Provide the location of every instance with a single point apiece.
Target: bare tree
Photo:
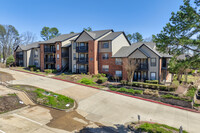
(131, 66)
(27, 38)
(9, 39)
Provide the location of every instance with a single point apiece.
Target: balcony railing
(143, 66)
(64, 55)
(82, 70)
(49, 50)
(19, 56)
(49, 60)
(82, 60)
(82, 49)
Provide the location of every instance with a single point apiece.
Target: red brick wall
(58, 61)
(42, 57)
(93, 56)
(111, 62)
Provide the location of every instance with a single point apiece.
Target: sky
(144, 16)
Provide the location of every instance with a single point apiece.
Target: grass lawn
(44, 97)
(157, 128)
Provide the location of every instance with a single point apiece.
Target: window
(36, 63)
(105, 56)
(118, 61)
(74, 56)
(105, 45)
(82, 67)
(74, 45)
(118, 73)
(58, 46)
(74, 67)
(105, 68)
(153, 76)
(57, 56)
(153, 61)
(82, 56)
(164, 62)
(58, 67)
(36, 53)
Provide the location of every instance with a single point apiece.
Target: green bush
(38, 70)
(127, 90)
(62, 74)
(31, 66)
(193, 71)
(54, 71)
(86, 81)
(124, 82)
(32, 69)
(103, 75)
(48, 71)
(152, 81)
(169, 96)
(102, 80)
(10, 60)
(191, 91)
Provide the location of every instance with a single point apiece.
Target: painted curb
(149, 100)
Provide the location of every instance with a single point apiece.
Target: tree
(27, 38)
(137, 37)
(48, 33)
(130, 67)
(87, 29)
(130, 37)
(10, 60)
(178, 35)
(71, 32)
(9, 39)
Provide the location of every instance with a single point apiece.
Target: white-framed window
(82, 56)
(118, 61)
(105, 68)
(74, 56)
(153, 76)
(118, 73)
(105, 56)
(57, 56)
(105, 45)
(58, 66)
(74, 45)
(58, 46)
(153, 61)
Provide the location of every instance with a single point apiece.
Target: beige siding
(152, 55)
(119, 42)
(137, 54)
(25, 58)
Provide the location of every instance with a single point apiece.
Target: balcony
(83, 49)
(49, 50)
(49, 60)
(143, 66)
(19, 64)
(82, 60)
(65, 55)
(19, 56)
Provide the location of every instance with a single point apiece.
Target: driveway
(109, 108)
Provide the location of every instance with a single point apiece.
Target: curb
(149, 100)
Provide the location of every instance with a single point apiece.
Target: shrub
(31, 66)
(32, 69)
(169, 96)
(86, 81)
(127, 90)
(193, 71)
(103, 75)
(54, 71)
(191, 91)
(98, 75)
(48, 71)
(151, 92)
(88, 73)
(10, 60)
(62, 74)
(38, 70)
(123, 82)
(152, 81)
(102, 80)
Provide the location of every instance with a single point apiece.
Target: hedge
(153, 86)
(152, 81)
(102, 80)
(127, 90)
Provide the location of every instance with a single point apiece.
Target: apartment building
(103, 51)
(28, 55)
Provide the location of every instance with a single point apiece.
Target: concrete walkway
(109, 108)
(24, 98)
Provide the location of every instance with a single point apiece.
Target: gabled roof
(29, 46)
(60, 38)
(111, 36)
(95, 34)
(126, 51)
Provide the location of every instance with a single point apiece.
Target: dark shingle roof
(126, 51)
(60, 38)
(111, 36)
(97, 34)
(30, 46)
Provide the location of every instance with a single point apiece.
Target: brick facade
(58, 52)
(42, 57)
(93, 56)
